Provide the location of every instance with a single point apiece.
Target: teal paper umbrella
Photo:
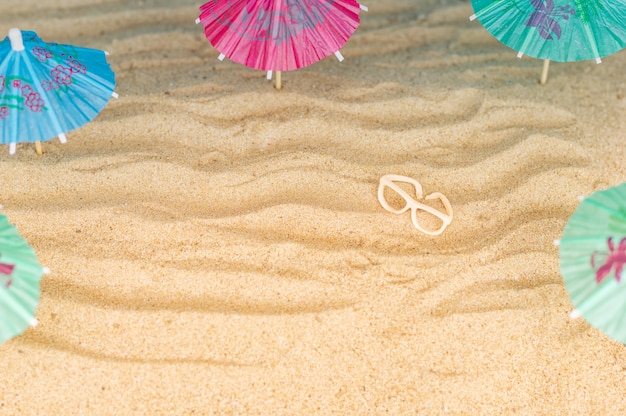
(557, 30)
(592, 254)
(20, 274)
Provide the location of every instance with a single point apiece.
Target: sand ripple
(216, 244)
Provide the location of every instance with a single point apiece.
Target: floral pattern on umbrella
(614, 259)
(20, 275)
(278, 25)
(592, 255)
(545, 18)
(48, 89)
(5, 274)
(557, 30)
(278, 35)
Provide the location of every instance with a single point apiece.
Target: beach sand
(217, 246)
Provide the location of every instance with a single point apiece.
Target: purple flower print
(62, 75)
(544, 18)
(4, 112)
(298, 16)
(41, 53)
(2, 82)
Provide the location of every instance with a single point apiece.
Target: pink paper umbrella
(279, 35)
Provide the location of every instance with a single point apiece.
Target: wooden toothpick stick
(278, 80)
(544, 72)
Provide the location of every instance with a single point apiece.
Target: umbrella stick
(38, 148)
(544, 72)
(279, 84)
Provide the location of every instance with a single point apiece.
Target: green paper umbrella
(20, 274)
(592, 254)
(557, 30)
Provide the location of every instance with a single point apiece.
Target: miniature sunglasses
(412, 204)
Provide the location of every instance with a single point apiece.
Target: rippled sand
(217, 247)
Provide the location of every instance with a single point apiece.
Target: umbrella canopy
(279, 35)
(49, 89)
(20, 274)
(592, 254)
(557, 30)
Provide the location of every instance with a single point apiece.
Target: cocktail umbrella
(20, 274)
(592, 254)
(279, 35)
(557, 30)
(49, 89)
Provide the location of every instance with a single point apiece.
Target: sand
(217, 247)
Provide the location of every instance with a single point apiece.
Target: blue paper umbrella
(20, 274)
(49, 89)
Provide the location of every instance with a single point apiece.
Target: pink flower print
(76, 66)
(33, 99)
(27, 90)
(4, 112)
(62, 75)
(42, 53)
(6, 268)
(49, 85)
(614, 259)
(34, 102)
(2, 82)
(17, 83)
